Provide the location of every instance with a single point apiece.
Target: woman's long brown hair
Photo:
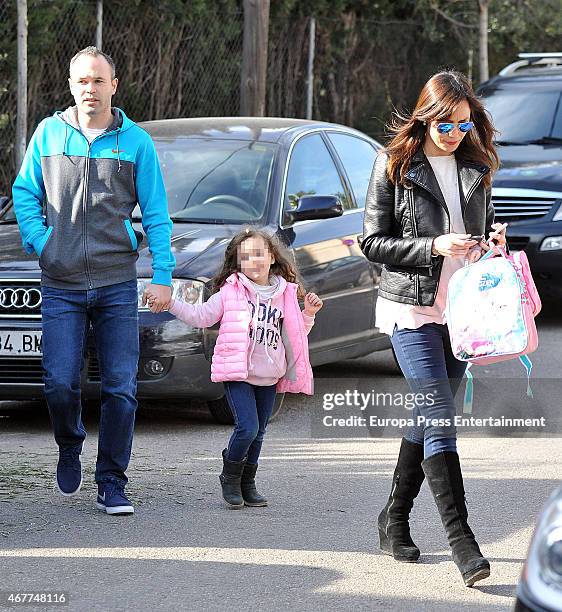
(438, 100)
(283, 265)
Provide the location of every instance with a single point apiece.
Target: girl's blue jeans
(251, 406)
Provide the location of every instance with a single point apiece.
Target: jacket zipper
(415, 232)
(84, 216)
(437, 283)
(85, 200)
(392, 498)
(417, 276)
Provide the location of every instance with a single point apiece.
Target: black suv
(525, 101)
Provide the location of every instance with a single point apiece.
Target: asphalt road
(313, 548)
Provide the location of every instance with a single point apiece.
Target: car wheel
(220, 410)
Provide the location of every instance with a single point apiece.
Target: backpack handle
(491, 253)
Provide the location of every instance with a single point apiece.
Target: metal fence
(169, 63)
(178, 58)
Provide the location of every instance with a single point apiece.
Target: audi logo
(20, 298)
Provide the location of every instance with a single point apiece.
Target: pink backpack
(491, 310)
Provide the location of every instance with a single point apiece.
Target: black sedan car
(525, 101)
(304, 180)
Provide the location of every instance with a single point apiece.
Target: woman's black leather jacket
(401, 222)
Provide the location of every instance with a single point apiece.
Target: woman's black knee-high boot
(394, 529)
(444, 476)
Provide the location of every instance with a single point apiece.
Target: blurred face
(91, 85)
(255, 258)
(437, 143)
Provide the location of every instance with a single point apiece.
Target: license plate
(20, 343)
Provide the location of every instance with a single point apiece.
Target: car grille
(20, 299)
(521, 208)
(517, 243)
(21, 370)
(30, 370)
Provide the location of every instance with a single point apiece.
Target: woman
(428, 208)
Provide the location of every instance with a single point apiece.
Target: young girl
(262, 347)
(428, 206)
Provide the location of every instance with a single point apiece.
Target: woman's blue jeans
(427, 361)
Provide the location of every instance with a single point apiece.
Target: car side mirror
(316, 207)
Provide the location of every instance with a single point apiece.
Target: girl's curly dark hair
(283, 266)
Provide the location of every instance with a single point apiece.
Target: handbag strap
(469, 389)
(491, 253)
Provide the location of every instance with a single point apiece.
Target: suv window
(358, 157)
(312, 171)
(522, 116)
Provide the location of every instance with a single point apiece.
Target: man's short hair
(95, 52)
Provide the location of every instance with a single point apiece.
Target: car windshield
(215, 180)
(525, 116)
(211, 181)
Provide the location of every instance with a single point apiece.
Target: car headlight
(190, 291)
(550, 554)
(552, 243)
(542, 574)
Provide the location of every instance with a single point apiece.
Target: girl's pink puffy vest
(230, 357)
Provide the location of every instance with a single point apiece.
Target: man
(92, 165)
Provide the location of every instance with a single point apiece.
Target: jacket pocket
(62, 254)
(47, 238)
(398, 282)
(409, 272)
(131, 233)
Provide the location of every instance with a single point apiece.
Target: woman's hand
(312, 304)
(498, 236)
(475, 254)
(452, 245)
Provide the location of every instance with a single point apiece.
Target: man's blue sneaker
(69, 470)
(112, 499)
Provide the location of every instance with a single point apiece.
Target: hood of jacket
(120, 120)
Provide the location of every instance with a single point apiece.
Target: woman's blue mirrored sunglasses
(445, 128)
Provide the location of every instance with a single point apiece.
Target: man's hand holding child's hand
(158, 298)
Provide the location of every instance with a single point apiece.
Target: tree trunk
(254, 58)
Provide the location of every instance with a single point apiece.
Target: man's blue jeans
(66, 317)
(251, 406)
(427, 361)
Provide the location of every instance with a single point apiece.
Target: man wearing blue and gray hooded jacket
(89, 166)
